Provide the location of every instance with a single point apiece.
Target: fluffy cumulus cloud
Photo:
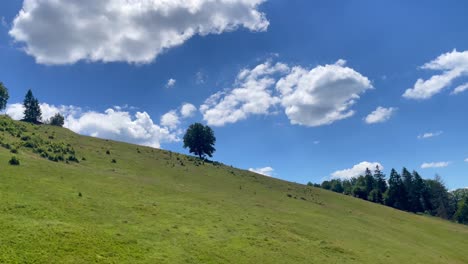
(441, 164)
(380, 115)
(430, 135)
(267, 171)
(453, 66)
(115, 124)
(315, 97)
(252, 96)
(322, 95)
(466, 160)
(356, 170)
(170, 120)
(135, 31)
(187, 110)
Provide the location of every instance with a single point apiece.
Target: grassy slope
(148, 208)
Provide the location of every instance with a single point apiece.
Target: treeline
(407, 191)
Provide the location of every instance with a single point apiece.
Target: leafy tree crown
(200, 140)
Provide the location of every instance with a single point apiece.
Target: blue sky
(289, 87)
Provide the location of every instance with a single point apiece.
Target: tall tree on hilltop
(396, 193)
(200, 140)
(439, 197)
(4, 96)
(380, 184)
(369, 181)
(417, 191)
(32, 110)
(407, 179)
(379, 178)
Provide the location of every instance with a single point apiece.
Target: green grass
(153, 206)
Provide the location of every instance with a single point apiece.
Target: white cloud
(380, 115)
(187, 110)
(15, 111)
(466, 160)
(356, 170)
(441, 164)
(267, 171)
(135, 31)
(430, 134)
(322, 95)
(460, 89)
(112, 124)
(170, 83)
(170, 120)
(251, 96)
(452, 64)
(317, 97)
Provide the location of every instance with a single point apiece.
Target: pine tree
(417, 201)
(396, 193)
(32, 110)
(369, 179)
(380, 184)
(407, 178)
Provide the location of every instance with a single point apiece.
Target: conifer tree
(396, 194)
(369, 179)
(407, 178)
(32, 110)
(380, 184)
(417, 201)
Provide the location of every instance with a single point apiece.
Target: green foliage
(4, 96)
(57, 120)
(396, 195)
(337, 186)
(14, 161)
(461, 216)
(200, 140)
(326, 185)
(439, 199)
(380, 182)
(360, 188)
(32, 110)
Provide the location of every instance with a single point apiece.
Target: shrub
(114, 161)
(73, 158)
(108, 152)
(57, 120)
(14, 161)
(14, 151)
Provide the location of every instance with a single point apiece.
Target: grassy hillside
(153, 206)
